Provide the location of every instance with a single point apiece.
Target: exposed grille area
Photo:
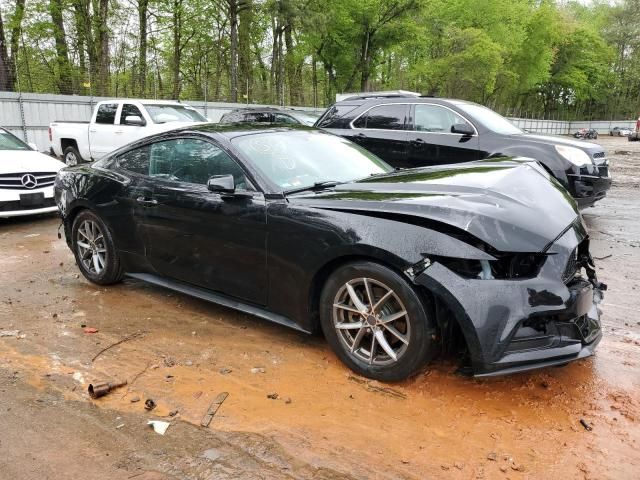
(598, 155)
(27, 180)
(572, 266)
(16, 205)
(603, 170)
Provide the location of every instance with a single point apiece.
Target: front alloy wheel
(371, 321)
(376, 322)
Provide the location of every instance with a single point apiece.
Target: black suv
(269, 115)
(411, 131)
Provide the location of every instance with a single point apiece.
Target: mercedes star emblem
(29, 181)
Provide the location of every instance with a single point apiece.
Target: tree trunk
(245, 71)
(233, 20)
(5, 63)
(177, 48)
(9, 53)
(366, 62)
(143, 7)
(101, 22)
(64, 80)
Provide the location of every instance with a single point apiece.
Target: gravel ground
(294, 411)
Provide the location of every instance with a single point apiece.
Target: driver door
(204, 238)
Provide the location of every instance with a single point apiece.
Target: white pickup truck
(115, 123)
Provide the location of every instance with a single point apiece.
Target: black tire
(71, 156)
(111, 271)
(415, 327)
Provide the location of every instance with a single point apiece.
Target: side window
(129, 110)
(284, 119)
(136, 161)
(107, 113)
(386, 117)
(193, 161)
(433, 118)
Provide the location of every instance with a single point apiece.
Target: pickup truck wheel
(71, 156)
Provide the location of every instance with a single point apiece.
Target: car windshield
(299, 159)
(174, 113)
(490, 119)
(11, 142)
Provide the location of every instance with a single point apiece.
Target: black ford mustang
(309, 230)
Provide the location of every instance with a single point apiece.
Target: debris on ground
(602, 258)
(149, 404)
(101, 389)
(9, 333)
(258, 370)
(586, 426)
(173, 413)
(134, 399)
(493, 456)
(125, 339)
(118, 427)
(272, 396)
(90, 330)
(159, 426)
(78, 377)
(213, 408)
(372, 386)
(211, 454)
(459, 465)
(288, 400)
(169, 362)
(225, 370)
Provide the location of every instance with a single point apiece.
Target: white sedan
(26, 178)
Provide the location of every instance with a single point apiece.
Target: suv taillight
(50, 137)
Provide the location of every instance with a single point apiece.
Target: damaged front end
(521, 311)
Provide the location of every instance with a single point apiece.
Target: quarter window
(385, 117)
(107, 113)
(433, 118)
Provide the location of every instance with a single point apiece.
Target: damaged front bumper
(523, 324)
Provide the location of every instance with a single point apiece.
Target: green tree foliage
(547, 57)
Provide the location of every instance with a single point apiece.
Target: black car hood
(509, 204)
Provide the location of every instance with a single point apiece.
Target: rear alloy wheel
(94, 249)
(375, 322)
(71, 156)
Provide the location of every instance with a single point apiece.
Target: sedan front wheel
(376, 322)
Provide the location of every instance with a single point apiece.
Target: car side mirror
(463, 128)
(224, 184)
(134, 120)
(33, 146)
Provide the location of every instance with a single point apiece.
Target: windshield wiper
(315, 187)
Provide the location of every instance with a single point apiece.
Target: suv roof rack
(385, 94)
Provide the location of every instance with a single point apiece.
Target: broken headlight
(508, 266)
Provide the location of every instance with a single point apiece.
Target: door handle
(418, 141)
(360, 136)
(93, 130)
(146, 201)
(119, 131)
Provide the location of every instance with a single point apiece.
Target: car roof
(232, 130)
(404, 99)
(268, 109)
